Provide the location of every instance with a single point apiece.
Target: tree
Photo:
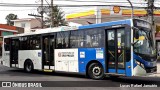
(10, 17)
(58, 17)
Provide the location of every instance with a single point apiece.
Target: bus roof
(66, 28)
(126, 21)
(43, 31)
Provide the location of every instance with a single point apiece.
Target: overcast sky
(23, 12)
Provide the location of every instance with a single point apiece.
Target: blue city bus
(116, 48)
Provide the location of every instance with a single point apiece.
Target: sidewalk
(158, 67)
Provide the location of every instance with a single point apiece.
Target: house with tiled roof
(28, 23)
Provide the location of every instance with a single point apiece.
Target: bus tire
(28, 66)
(96, 71)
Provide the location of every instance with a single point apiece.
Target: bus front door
(48, 45)
(116, 51)
(14, 52)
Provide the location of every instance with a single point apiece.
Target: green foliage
(58, 17)
(10, 17)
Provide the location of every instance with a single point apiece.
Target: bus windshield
(144, 44)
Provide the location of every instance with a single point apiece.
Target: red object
(5, 26)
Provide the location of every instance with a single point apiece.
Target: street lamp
(132, 8)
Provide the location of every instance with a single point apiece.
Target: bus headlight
(139, 63)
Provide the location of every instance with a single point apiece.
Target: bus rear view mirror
(136, 33)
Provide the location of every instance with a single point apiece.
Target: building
(28, 23)
(111, 13)
(108, 13)
(8, 30)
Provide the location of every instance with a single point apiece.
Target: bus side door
(48, 46)
(14, 52)
(116, 51)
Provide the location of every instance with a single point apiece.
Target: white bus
(122, 47)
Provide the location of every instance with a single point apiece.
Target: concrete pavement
(158, 68)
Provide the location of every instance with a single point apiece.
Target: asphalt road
(63, 81)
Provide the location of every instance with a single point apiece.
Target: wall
(35, 23)
(5, 33)
(20, 30)
(27, 25)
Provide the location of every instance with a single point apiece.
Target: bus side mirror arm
(134, 43)
(136, 34)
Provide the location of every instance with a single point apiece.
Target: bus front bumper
(139, 71)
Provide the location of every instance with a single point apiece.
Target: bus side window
(31, 44)
(24, 43)
(62, 40)
(34, 42)
(73, 39)
(59, 45)
(7, 44)
(94, 38)
(77, 39)
(80, 38)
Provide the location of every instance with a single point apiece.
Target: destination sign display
(141, 23)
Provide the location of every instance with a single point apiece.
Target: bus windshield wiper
(135, 43)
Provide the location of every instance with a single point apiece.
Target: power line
(103, 17)
(47, 2)
(65, 13)
(60, 5)
(19, 10)
(11, 4)
(7, 4)
(98, 1)
(55, 12)
(37, 5)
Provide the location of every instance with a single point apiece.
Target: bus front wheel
(28, 66)
(96, 71)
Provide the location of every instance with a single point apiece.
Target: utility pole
(150, 10)
(42, 23)
(98, 15)
(132, 13)
(41, 11)
(52, 21)
(150, 16)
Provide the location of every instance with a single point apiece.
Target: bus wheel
(96, 71)
(28, 66)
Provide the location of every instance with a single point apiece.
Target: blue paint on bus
(85, 55)
(121, 71)
(111, 70)
(146, 63)
(128, 70)
(106, 24)
(90, 53)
